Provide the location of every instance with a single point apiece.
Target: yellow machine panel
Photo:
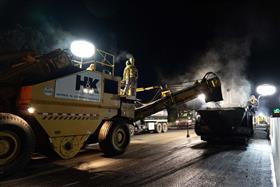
(75, 107)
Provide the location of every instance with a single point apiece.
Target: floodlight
(82, 49)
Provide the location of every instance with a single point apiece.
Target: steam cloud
(228, 60)
(40, 40)
(122, 56)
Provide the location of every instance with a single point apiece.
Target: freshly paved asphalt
(168, 159)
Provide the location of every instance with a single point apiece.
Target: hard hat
(128, 62)
(91, 67)
(131, 60)
(252, 97)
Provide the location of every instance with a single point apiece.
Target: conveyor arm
(31, 69)
(210, 85)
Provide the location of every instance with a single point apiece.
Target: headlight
(31, 110)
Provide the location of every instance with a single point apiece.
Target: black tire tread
(157, 130)
(11, 121)
(105, 137)
(164, 127)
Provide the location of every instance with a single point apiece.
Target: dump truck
(227, 125)
(51, 106)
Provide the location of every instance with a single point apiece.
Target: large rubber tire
(158, 128)
(114, 137)
(17, 143)
(164, 127)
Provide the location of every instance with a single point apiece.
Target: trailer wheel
(131, 129)
(164, 127)
(17, 143)
(158, 128)
(114, 137)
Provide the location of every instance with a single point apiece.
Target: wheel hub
(9, 147)
(119, 137)
(4, 147)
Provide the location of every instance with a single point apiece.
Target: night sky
(168, 39)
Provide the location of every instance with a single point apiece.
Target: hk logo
(87, 82)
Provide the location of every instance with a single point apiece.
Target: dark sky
(166, 38)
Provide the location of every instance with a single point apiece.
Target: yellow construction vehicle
(48, 104)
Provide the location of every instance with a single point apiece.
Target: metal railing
(101, 57)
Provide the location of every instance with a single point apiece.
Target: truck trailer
(231, 124)
(156, 123)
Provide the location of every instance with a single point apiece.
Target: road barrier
(275, 146)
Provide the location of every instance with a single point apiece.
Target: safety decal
(68, 116)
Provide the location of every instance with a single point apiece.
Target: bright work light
(82, 49)
(266, 89)
(201, 97)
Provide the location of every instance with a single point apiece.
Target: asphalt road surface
(168, 159)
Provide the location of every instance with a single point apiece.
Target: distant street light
(266, 90)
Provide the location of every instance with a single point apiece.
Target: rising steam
(123, 56)
(41, 40)
(228, 60)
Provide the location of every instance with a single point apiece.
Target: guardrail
(275, 146)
